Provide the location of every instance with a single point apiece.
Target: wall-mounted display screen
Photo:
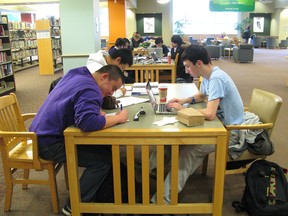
(232, 5)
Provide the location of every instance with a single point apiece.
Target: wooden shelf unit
(7, 80)
(49, 47)
(23, 45)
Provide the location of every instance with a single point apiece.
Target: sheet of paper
(127, 101)
(141, 85)
(165, 121)
(140, 88)
(128, 87)
(142, 91)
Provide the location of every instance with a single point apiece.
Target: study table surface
(143, 133)
(152, 71)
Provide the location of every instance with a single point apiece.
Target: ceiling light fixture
(163, 1)
(266, 1)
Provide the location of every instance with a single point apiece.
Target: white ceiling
(41, 5)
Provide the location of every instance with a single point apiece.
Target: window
(200, 20)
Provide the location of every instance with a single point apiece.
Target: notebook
(159, 108)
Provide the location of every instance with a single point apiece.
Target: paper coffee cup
(162, 94)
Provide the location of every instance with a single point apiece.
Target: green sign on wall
(232, 5)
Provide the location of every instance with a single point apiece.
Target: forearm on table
(111, 121)
(198, 98)
(211, 109)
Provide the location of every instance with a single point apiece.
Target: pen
(121, 107)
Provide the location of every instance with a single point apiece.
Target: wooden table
(228, 50)
(143, 134)
(152, 71)
(140, 51)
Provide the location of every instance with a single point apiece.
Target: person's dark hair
(125, 54)
(126, 40)
(248, 27)
(177, 39)
(159, 40)
(114, 72)
(196, 52)
(120, 42)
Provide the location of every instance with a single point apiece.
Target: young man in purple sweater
(76, 100)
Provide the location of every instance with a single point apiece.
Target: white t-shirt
(97, 61)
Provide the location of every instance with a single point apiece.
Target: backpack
(110, 102)
(244, 35)
(266, 190)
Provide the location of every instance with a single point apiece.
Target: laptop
(159, 108)
(155, 58)
(157, 50)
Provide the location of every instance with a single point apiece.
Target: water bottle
(169, 57)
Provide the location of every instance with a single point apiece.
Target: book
(2, 31)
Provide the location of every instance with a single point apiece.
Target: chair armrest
(24, 135)
(251, 127)
(26, 116)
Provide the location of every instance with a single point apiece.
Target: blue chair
(283, 44)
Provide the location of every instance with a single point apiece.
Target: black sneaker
(66, 211)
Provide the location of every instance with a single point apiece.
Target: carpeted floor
(268, 71)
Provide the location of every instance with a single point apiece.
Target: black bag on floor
(266, 190)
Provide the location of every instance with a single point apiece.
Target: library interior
(201, 62)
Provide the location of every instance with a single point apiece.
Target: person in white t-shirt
(123, 58)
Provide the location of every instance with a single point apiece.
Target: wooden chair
(165, 76)
(264, 104)
(19, 150)
(199, 82)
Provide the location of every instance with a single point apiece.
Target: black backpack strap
(238, 206)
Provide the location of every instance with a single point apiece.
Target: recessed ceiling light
(163, 1)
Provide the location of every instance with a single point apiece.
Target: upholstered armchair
(283, 44)
(209, 40)
(214, 51)
(257, 41)
(243, 53)
(271, 43)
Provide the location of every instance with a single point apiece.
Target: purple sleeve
(87, 107)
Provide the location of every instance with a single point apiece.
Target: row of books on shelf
(24, 53)
(55, 32)
(56, 44)
(3, 57)
(5, 70)
(4, 86)
(23, 34)
(2, 31)
(21, 25)
(24, 44)
(54, 21)
(56, 53)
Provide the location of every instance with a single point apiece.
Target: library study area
(139, 107)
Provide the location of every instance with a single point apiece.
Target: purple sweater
(76, 100)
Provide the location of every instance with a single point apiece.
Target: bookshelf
(49, 46)
(7, 81)
(23, 45)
